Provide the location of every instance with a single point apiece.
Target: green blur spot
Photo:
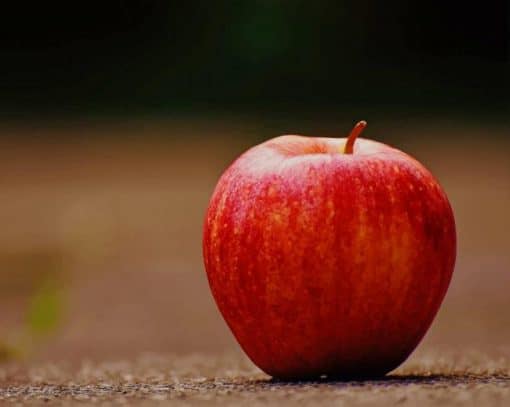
(45, 309)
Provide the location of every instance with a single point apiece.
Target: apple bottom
(358, 355)
(331, 368)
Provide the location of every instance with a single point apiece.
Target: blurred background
(117, 118)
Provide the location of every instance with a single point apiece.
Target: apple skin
(325, 263)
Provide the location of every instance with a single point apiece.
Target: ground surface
(113, 212)
(463, 379)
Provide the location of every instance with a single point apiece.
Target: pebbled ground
(443, 379)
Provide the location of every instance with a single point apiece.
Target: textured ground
(463, 379)
(113, 213)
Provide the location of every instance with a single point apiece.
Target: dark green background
(166, 57)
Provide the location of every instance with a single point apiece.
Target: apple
(328, 257)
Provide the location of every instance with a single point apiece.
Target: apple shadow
(397, 380)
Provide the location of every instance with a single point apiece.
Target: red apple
(328, 256)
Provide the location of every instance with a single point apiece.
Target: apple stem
(355, 132)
